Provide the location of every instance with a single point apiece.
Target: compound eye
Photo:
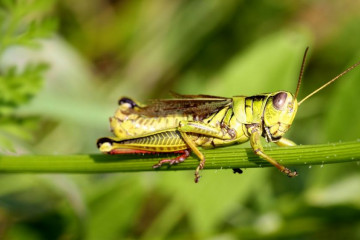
(128, 101)
(279, 100)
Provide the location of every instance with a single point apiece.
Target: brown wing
(178, 95)
(196, 105)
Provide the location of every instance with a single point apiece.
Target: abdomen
(166, 141)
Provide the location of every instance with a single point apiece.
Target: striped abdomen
(167, 141)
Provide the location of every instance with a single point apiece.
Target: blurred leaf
(20, 24)
(54, 210)
(220, 191)
(14, 128)
(17, 88)
(342, 192)
(342, 115)
(22, 233)
(271, 64)
(113, 211)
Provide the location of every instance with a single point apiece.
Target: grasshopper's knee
(184, 126)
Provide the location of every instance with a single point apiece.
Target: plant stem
(227, 157)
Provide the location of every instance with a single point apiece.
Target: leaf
(17, 88)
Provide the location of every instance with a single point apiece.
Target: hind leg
(179, 159)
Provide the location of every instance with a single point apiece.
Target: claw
(289, 173)
(197, 177)
(197, 171)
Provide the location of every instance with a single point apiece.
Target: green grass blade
(228, 157)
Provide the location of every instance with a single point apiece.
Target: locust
(186, 122)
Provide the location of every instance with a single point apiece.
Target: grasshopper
(182, 124)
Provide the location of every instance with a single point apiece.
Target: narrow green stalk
(227, 157)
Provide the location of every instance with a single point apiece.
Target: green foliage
(20, 25)
(18, 88)
(22, 22)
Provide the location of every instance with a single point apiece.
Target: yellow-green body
(241, 119)
(190, 121)
(244, 111)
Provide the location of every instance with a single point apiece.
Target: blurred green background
(64, 64)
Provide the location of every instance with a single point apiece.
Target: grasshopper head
(279, 113)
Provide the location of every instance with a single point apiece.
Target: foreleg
(259, 150)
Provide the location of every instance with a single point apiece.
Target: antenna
(329, 82)
(301, 72)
